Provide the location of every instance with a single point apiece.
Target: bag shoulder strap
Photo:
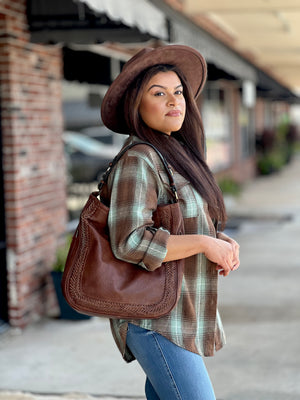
(123, 151)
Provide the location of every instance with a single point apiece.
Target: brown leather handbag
(96, 283)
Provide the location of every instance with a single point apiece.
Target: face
(162, 105)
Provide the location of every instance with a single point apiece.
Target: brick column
(34, 166)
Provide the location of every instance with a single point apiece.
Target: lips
(174, 113)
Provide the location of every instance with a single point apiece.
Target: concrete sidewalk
(259, 305)
(70, 396)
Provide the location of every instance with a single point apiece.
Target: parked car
(104, 135)
(87, 158)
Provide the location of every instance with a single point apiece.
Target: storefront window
(89, 146)
(218, 124)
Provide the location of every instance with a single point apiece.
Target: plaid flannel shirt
(136, 185)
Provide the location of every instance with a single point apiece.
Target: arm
(134, 190)
(223, 251)
(133, 199)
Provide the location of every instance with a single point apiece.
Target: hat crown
(140, 54)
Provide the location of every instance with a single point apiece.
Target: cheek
(183, 107)
(148, 111)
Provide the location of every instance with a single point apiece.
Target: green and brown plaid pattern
(135, 187)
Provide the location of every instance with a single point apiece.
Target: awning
(184, 31)
(134, 13)
(95, 21)
(213, 51)
(269, 88)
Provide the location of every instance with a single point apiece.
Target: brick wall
(34, 170)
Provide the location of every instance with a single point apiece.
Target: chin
(176, 128)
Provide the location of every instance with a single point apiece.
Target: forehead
(167, 79)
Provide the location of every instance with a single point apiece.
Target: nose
(172, 100)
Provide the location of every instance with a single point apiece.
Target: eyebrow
(163, 87)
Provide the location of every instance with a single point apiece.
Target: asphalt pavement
(259, 304)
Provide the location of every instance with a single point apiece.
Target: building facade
(33, 177)
(39, 47)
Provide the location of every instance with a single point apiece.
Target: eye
(159, 94)
(179, 92)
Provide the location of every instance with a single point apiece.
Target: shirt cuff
(157, 249)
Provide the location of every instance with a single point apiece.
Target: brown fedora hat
(187, 59)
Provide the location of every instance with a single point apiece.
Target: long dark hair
(184, 149)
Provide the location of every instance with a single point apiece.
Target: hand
(235, 248)
(221, 252)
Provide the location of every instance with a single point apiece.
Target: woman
(153, 100)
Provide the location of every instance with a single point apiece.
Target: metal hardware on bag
(172, 184)
(100, 185)
(174, 190)
(105, 176)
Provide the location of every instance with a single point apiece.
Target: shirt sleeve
(134, 196)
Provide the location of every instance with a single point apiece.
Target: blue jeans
(173, 373)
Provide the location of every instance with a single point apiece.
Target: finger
(220, 269)
(236, 249)
(235, 243)
(224, 272)
(224, 269)
(236, 260)
(235, 267)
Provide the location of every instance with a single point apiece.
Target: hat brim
(188, 60)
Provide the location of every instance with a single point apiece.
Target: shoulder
(143, 155)
(138, 164)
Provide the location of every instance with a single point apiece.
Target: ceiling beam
(237, 6)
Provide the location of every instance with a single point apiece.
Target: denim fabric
(173, 373)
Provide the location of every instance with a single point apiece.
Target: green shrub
(229, 186)
(271, 162)
(61, 255)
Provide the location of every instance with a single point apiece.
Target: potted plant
(66, 311)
